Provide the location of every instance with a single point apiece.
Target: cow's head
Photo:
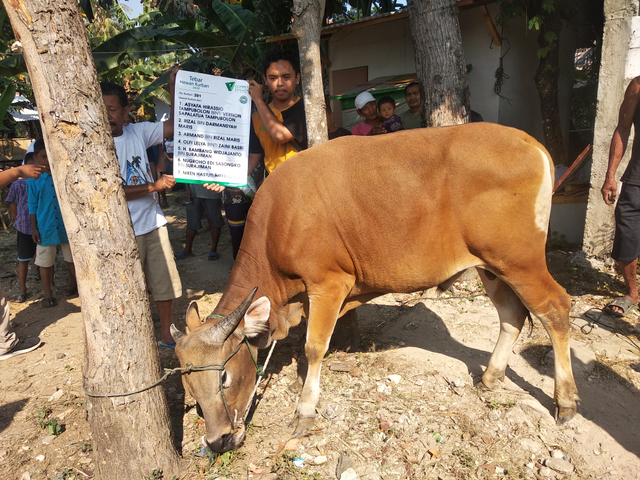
(223, 344)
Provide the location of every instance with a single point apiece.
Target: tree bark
(131, 435)
(440, 62)
(546, 80)
(307, 24)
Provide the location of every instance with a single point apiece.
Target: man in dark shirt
(626, 244)
(332, 129)
(411, 118)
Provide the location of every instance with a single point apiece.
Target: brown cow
(355, 218)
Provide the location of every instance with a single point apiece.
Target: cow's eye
(226, 379)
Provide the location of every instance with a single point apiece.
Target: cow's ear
(256, 320)
(192, 316)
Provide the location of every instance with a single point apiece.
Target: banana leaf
(5, 100)
(194, 63)
(12, 66)
(231, 20)
(159, 93)
(245, 27)
(143, 42)
(146, 69)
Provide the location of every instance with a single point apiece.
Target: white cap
(363, 98)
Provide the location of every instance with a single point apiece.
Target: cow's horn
(221, 330)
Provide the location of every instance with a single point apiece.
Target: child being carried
(387, 109)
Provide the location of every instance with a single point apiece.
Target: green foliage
(542, 52)
(53, 427)
(83, 446)
(221, 461)
(551, 37)
(465, 458)
(157, 474)
(285, 468)
(6, 98)
(63, 474)
(536, 22)
(494, 405)
(43, 413)
(548, 5)
(51, 424)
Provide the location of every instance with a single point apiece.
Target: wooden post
(131, 435)
(307, 24)
(440, 64)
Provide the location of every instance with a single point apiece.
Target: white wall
(520, 63)
(484, 59)
(387, 49)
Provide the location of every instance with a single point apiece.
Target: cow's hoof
(564, 414)
(483, 385)
(491, 383)
(301, 425)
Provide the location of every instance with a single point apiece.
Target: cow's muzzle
(226, 442)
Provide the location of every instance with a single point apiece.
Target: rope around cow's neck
(199, 368)
(260, 372)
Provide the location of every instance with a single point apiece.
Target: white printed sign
(211, 129)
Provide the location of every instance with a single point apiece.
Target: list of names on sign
(211, 129)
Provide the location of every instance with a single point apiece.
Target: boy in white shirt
(149, 223)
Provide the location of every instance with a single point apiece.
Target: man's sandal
(21, 297)
(623, 303)
(48, 302)
(171, 345)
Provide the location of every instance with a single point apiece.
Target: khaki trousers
(8, 339)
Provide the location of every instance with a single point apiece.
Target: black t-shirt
(294, 119)
(340, 132)
(632, 173)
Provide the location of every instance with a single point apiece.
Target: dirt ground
(403, 406)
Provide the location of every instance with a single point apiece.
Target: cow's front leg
(323, 313)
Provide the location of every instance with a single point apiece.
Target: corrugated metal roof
(24, 111)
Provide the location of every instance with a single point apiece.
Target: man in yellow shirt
(279, 129)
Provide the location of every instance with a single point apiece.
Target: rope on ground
(593, 316)
(459, 297)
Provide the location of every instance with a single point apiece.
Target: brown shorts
(158, 264)
(46, 256)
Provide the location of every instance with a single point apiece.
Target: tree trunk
(131, 435)
(307, 23)
(440, 62)
(546, 79)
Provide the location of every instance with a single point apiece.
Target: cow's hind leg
(324, 308)
(512, 316)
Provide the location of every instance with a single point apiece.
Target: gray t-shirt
(409, 120)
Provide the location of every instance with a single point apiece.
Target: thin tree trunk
(131, 435)
(546, 80)
(440, 62)
(307, 23)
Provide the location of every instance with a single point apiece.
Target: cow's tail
(545, 192)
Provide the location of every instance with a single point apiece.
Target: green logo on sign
(230, 86)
